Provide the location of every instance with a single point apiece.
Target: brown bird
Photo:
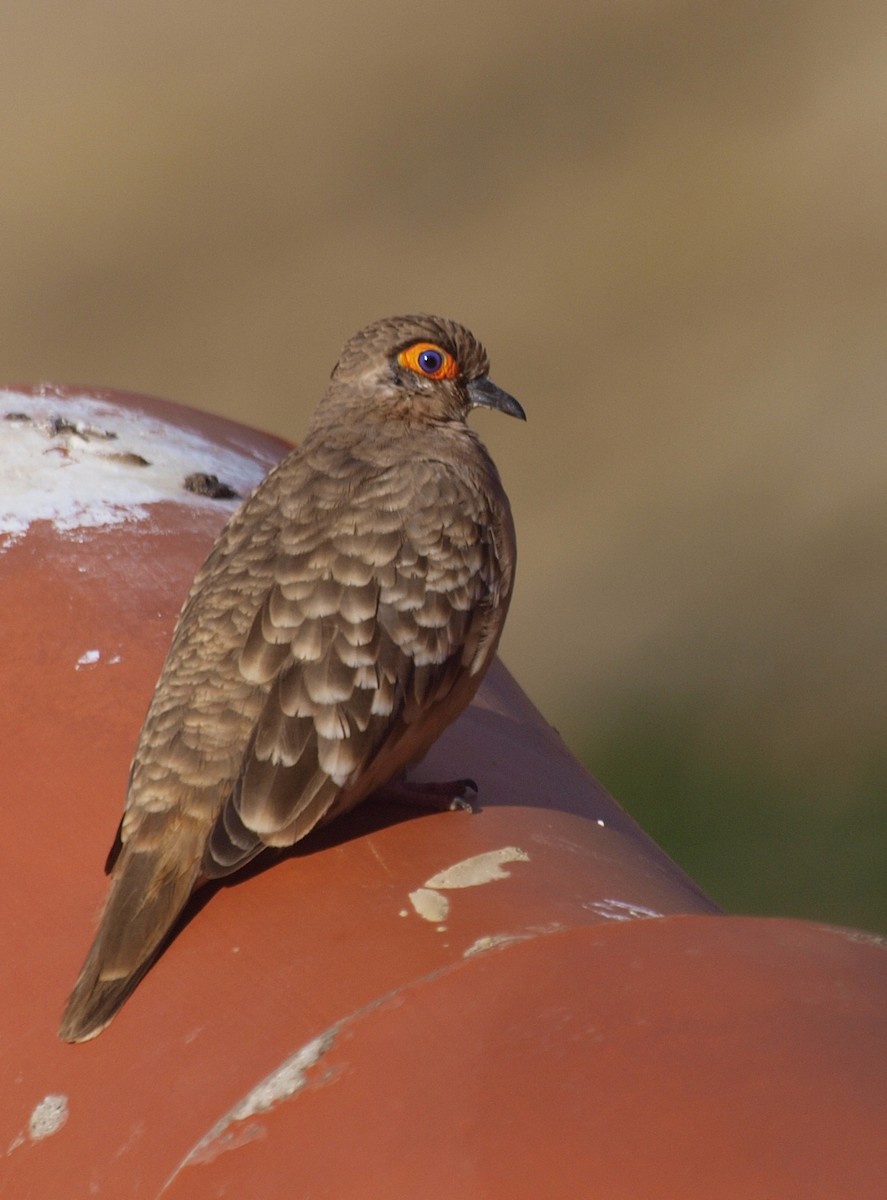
(345, 616)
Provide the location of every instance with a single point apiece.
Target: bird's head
(420, 369)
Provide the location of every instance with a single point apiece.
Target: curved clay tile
(531, 1001)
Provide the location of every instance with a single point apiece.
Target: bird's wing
(372, 627)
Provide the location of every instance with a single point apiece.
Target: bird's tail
(149, 890)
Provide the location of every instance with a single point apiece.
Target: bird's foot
(440, 797)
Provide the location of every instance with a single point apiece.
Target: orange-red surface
(410, 1005)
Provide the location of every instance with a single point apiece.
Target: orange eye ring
(429, 360)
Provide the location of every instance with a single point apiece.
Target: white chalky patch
(482, 868)
(430, 905)
(80, 463)
(290, 1077)
(48, 1117)
(495, 941)
(622, 910)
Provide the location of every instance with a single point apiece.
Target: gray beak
(484, 394)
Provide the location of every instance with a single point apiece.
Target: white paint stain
(90, 657)
(81, 462)
(289, 1078)
(622, 910)
(48, 1117)
(430, 905)
(231, 1131)
(496, 941)
(482, 868)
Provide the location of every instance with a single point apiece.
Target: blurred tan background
(667, 221)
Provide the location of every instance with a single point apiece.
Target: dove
(344, 617)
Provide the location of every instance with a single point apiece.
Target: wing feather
(368, 629)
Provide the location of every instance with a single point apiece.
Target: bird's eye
(430, 361)
(424, 358)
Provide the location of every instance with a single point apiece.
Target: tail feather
(149, 890)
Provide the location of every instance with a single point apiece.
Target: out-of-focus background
(667, 221)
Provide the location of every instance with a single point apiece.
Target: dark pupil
(430, 361)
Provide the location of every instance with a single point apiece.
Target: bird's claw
(459, 802)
